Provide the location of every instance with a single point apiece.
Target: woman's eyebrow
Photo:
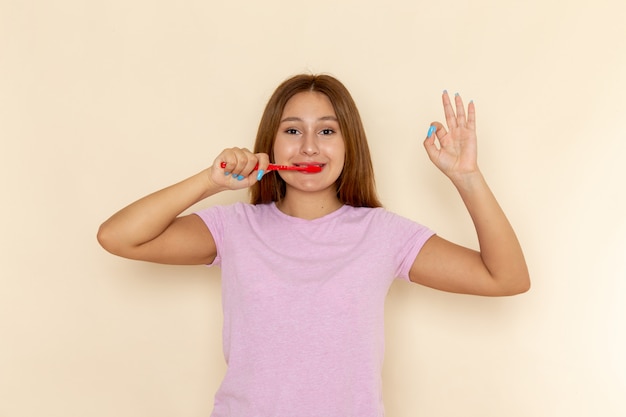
(298, 119)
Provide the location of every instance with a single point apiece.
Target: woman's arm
(150, 229)
(499, 268)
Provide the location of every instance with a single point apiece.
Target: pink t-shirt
(303, 307)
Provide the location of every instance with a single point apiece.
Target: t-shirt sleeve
(408, 237)
(214, 219)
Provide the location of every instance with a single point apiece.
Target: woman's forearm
(499, 247)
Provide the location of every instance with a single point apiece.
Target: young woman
(307, 264)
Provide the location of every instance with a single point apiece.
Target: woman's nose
(309, 144)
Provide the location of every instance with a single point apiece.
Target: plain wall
(102, 102)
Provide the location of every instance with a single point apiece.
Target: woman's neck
(308, 206)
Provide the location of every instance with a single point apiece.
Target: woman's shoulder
(236, 211)
(371, 212)
(381, 216)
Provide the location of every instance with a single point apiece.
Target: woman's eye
(291, 131)
(327, 131)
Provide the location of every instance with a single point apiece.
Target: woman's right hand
(239, 169)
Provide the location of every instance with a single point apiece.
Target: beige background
(102, 102)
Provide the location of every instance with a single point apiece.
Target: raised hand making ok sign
(453, 150)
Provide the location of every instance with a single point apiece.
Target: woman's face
(309, 134)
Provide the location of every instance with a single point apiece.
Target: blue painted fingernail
(240, 177)
(456, 94)
(260, 175)
(431, 130)
(226, 173)
(235, 175)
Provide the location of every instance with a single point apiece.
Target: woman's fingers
(471, 116)
(235, 159)
(239, 162)
(448, 111)
(456, 118)
(453, 149)
(460, 111)
(263, 161)
(435, 131)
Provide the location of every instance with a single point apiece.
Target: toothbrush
(274, 167)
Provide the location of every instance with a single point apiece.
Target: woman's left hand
(456, 152)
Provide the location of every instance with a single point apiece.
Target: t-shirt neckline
(322, 219)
